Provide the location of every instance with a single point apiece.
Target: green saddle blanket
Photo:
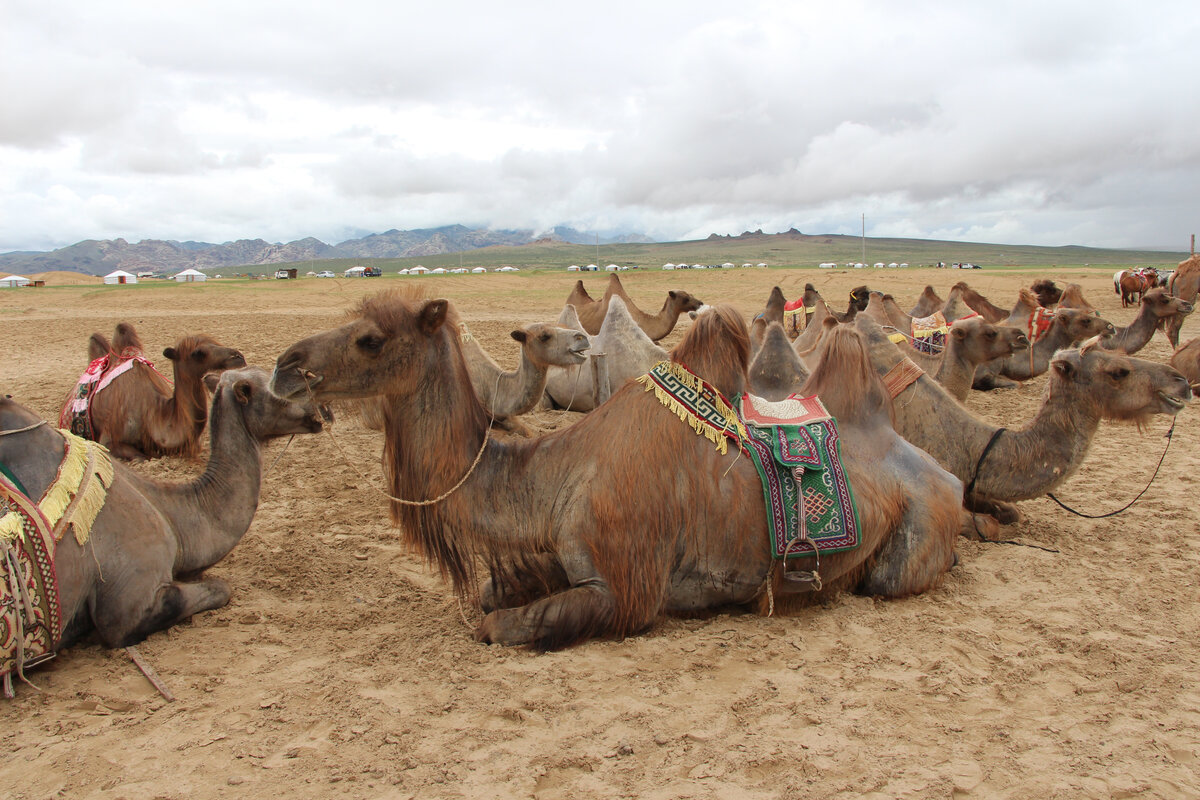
(794, 445)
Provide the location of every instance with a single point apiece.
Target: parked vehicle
(372, 272)
(324, 274)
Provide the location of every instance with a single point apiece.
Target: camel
(1070, 326)
(927, 303)
(1187, 360)
(507, 395)
(1156, 309)
(656, 326)
(1046, 291)
(1184, 283)
(1086, 385)
(139, 415)
(970, 343)
(807, 341)
(627, 351)
(653, 520)
(773, 311)
(141, 569)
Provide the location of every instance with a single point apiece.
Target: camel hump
(125, 337)
(569, 318)
(98, 346)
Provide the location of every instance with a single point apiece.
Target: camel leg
(917, 554)
(583, 611)
(125, 451)
(511, 585)
(1005, 513)
(122, 623)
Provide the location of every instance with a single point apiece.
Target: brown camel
(1184, 283)
(140, 570)
(1047, 292)
(1187, 360)
(970, 344)
(656, 326)
(1086, 385)
(1156, 309)
(139, 414)
(653, 520)
(627, 351)
(927, 303)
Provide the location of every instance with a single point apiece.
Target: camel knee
(171, 604)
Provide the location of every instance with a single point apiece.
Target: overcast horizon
(1022, 123)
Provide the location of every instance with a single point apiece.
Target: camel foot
(562, 619)
(536, 576)
(980, 527)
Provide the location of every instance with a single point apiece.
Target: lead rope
(1167, 435)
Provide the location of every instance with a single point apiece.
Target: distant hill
(94, 257)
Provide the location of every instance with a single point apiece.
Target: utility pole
(864, 239)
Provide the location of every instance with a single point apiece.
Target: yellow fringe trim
(692, 381)
(80, 458)
(898, 338)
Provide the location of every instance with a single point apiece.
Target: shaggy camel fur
(139, 415)
(1072, 297)
(1086, 385)
(653, 520)
(140, 571)
(1187, 360)
(627, 350)
(1157, 309)
(1184, 283)
(656, 326)
(1046, 292)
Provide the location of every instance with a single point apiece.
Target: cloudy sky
(1041, 123)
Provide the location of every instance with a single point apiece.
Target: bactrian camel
(1184, 283)
(1187, 360)
(1156, 309)
(656, 326)
(141, 569)
(627, 352)
(139, 414)
(1086, 385)
(653, 520)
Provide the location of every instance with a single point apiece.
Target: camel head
(1081, 325)
(392, 342)
(1047, 292)
(1120, 387)
(681, 302)
(197, 355)
(552, 346)
(1163, 305)
(859, 297)
(982, 341)
(265, 414)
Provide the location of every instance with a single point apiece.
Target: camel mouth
(1172, 402)
(294, 381)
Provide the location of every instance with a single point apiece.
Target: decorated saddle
(1039, 322)
(30, 612)
(77, 414)
(929, 333)
(795, 316)
(794, 447)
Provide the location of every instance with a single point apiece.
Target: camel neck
(216, 509)
(1137, 334)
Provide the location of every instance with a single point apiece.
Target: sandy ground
(344, 667)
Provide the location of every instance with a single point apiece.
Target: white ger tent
(120, 276)
(189, 275)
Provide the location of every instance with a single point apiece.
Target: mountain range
(99, 257)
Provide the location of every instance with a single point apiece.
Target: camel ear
(242, 391)
(432, 316)
(958, 332)
(518, 336)
(171, 353)
(671, 294)
(1063, 367)
(211, 379)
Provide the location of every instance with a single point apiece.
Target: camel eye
(370, 344)
(199, 355)
(1119, 373)
(545, 337)
(991, 334)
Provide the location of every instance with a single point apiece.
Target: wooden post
(600, 388)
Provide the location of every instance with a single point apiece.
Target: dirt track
(344, 667)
